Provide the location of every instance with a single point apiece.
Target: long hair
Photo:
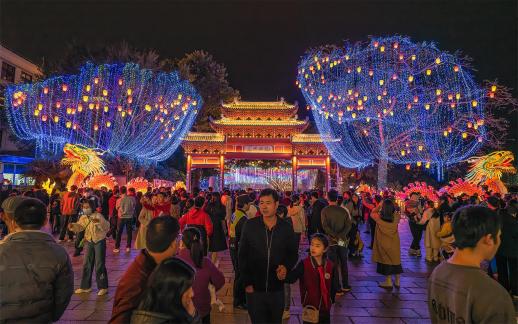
(165, 288)
(192, 240)
(387, 210)
(295, 200)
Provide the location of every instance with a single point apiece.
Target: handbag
(310, 313)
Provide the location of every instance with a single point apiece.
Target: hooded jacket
(197, 216)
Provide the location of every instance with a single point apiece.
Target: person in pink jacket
(206, 272)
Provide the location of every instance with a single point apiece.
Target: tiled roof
(204, 137)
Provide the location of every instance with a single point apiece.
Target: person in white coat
(95, 227)
(432, 243)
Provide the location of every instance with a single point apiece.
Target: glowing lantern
(96, 80)
(428, 72)
(64, 88)
(438, 60)
(120, 82)
(419, 163)
(105, 92)
(45, 90)
(68, 124)
(44, 118)
(407, 167)
(410, 78)
(464, 135)
(56, 119)
(129, 92)
(108, 124)
(456, 68)
(474, 103)
(493, 88)
(85, 98)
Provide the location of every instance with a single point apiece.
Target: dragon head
(83, 159)
(490, 166)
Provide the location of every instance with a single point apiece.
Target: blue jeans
(95, 253)
(128, 222)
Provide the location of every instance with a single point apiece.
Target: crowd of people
(175, 276)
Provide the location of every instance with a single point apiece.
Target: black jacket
(315, 221)
(257, 265)
(36, 278)
(509, 246)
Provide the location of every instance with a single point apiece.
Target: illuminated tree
(392, 100)
(118, 108)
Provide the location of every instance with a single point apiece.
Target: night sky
(260, 42)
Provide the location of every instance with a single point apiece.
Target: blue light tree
(119, 108)
(390, 100)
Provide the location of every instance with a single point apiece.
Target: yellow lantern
(85, 98)
(108, 124)
(464, 135)
(359, 69)
(106, 108)
(80, 107)
(87, 88)
(147, 107)
(427, 165)
(105, 92)
(474, 103)
(419, 163)
(129, 92)
(381, 82)
(410, 78)
(403, 153)
(493, 88)
(428, 72)
(438, 60)
(68, 124)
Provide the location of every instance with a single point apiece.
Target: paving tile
(366, 303)
(392, 312)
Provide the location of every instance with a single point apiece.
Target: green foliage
(210, 79)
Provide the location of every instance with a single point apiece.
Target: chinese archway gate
(257, 131)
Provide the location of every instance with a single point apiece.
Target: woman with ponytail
(192, 252)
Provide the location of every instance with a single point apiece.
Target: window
(26, 77)
(7, 72)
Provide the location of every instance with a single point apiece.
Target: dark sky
(260, 42)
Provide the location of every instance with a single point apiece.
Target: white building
(14, 69)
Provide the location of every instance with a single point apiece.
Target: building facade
(257, 131)
(14, 69)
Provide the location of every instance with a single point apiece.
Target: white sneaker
(286, 314)
(102, 292)
(83, 291)
(128, 250)
(116, 250)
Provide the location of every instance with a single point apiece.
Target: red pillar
(188, 173)
(221, 172)
(294, 173)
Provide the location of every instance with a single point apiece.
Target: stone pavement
(366, 303)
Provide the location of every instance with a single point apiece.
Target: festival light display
(424, 189)
(83, 162)
(98, 181)
(488, 170)
(48, 186)
(459, 187)
(118, 108)
(391, 100)
(139, 184)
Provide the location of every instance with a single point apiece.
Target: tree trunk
(382, 173)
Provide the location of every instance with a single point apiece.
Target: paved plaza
(366, 303)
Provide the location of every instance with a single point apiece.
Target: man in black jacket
(267, 250)
(315, 218)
